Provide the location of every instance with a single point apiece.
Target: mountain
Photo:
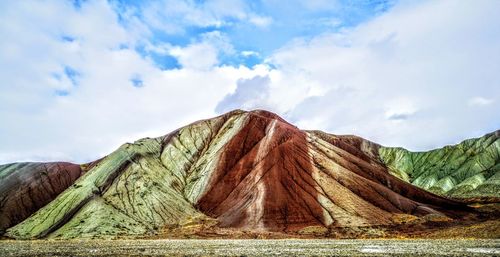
(468, 169)
(241, 171)
(26, 187)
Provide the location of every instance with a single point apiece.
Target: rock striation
(26, 187)
(468, 169)
(244, 170)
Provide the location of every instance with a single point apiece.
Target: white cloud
(250, 94)
(171, 16)
(219, 40)
(399, 109)
(249, 53)
(104, 109)
(480, 101)
(260, 21)
(412, 76)
(199, 56)
(404, 78)
(174, 16)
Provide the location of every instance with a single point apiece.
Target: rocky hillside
(250, 171)
(26, 187)
(468, 169)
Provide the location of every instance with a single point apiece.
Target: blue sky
(252, 26)
(418, 74)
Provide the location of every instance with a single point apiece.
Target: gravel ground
(285, 247)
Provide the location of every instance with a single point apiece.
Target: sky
(80, 78)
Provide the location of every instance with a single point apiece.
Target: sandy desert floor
(250, 247)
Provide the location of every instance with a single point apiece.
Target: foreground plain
(285, 247)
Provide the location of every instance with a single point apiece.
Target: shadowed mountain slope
(26, 187)
(245, 170)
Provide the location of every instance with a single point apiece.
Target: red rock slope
(248, 170)
(26, 187)
(273, 176)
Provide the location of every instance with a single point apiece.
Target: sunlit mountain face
(247, 171)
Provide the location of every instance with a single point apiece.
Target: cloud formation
(75, 86)
(250, 94)
(78, 93)
(398, 79)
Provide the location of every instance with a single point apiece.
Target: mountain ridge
(470, 168)
(242, 170)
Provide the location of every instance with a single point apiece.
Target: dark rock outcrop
(27, 187)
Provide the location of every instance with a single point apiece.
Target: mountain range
(254, 173)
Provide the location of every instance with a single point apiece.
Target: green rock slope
(468, 169)
(139, 188)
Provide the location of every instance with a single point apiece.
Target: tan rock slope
(247, 170)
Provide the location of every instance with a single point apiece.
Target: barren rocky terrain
(288, 247)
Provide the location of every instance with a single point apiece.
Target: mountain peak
(249, 170)
(259, 112)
